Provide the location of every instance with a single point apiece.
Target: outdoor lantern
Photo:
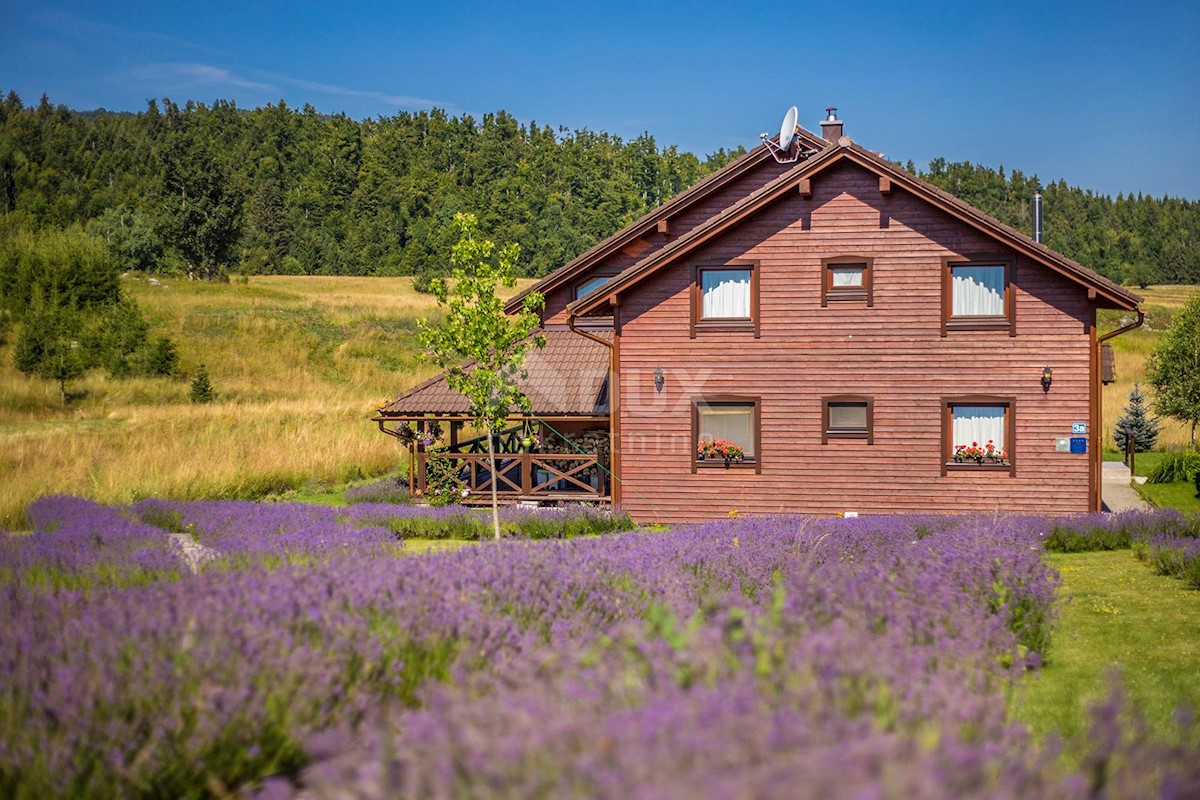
(659, 378)
(1046, 379)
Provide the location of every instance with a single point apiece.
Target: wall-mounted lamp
(1046, 379)
(659, 379)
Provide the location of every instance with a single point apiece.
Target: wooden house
(853, 338)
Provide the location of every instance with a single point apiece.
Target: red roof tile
(568, 376)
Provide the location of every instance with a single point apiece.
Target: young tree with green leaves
(481, 348)
(1173, 369)
(1138, 422)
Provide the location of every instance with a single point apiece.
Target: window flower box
(987, 453)
(711, 448)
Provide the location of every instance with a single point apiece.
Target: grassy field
(298, 365)
(1118, 615)
(1131, 351)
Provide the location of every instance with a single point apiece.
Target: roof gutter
(1124, 329)
(585, 334)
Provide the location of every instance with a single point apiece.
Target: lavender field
(208, 649)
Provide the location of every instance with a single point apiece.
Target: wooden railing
(527, 474)
(505, 441)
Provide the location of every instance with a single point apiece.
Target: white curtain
(726, 293)
(735, 423)
(978, 291)
(978, 424)
(847, 276)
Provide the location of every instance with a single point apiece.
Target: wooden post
(1130, 449)
(421, 457)
(526, 474)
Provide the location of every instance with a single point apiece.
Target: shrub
(1176, 465)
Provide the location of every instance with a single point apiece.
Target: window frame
(724, 324)
(990, 322)
(575, 288)
(830, 433)
(754, 463)
(831, 293)
(1010, 433)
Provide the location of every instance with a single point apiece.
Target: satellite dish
(787, 131)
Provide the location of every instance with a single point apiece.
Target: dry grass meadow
(1131, 351)
(298, 365)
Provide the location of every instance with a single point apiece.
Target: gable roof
(846, 150)
(567, 377)
(693, 194)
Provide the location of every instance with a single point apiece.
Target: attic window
(590, 284)
(848, 278)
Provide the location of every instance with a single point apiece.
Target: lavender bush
(757, 657)
(386, 490)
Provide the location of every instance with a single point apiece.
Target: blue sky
(1104, 95)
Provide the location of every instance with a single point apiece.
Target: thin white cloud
(185, 76)
(175, 77)
(399, 100)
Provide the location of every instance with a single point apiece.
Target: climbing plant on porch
(481, 348)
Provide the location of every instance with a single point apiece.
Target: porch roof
(567, 377)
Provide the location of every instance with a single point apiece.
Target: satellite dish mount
(784, 151)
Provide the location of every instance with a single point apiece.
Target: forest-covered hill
(281, 190)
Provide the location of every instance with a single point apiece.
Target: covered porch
(558, 452)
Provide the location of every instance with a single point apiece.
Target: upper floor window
(846, 279)
(725, 297)
(590, 284)
(978, 296)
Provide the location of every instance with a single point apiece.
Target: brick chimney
(831, 126)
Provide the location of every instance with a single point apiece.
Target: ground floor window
(978, 433)
(726, 432)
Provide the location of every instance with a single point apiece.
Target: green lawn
(1117, 614)
(1179, 495)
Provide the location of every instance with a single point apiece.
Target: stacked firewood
(595, 441)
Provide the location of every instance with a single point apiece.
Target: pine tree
(1137, 421)
(202, 390)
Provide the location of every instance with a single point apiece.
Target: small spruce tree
(202, 390)
(1137, 420)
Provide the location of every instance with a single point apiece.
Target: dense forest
(217, 189)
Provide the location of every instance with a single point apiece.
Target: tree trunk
(495, 501)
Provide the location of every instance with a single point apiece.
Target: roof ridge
(846, 146)
(728, 172)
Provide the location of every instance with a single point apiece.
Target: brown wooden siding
(893, 352)
(681, 222)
